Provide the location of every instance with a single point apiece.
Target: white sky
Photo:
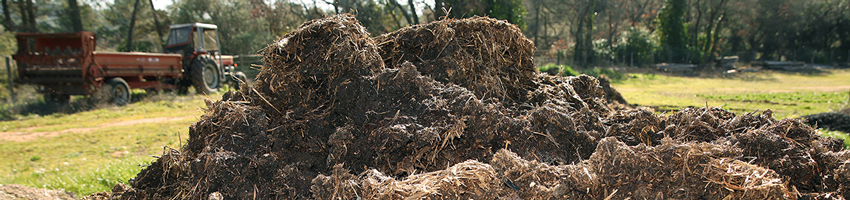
(161, 4)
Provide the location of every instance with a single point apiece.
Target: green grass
(566, 70)
(837, 135)
(786, 94)
(90, 161)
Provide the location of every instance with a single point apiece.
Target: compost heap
(455, 109)
(836, 121)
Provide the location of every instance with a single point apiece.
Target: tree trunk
(716, 35)
(438, 9)
(613, 25)
(712, 30)
(695, 29)
(579, 43)
(31, 12)
(413, 12)
(76, 20)
(156, 22)
(22, 6)
(7, 19)
(401, 8)
(395, 19)
(536, 29)
(26, 16)
(129, 46)
(584, 34)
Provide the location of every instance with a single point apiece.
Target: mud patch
(28, 193)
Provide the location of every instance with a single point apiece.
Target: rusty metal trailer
(65, 64)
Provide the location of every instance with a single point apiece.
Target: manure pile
(454, 109)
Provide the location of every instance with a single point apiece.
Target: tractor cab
(198, 43)
(193, 38)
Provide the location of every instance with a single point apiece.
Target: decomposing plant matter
(454, 109)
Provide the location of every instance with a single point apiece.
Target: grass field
(786, 94)
(91, 150)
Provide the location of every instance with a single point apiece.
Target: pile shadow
(455, 109)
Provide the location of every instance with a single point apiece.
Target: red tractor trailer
(65, 64)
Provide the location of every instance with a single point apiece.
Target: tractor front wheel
(205, 75)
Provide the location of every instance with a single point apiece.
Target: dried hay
(691, 170)
(439, 111)
(702, 124)
(305, 69)
(490, 57)
(773, 147)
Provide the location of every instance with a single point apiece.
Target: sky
(161, 4)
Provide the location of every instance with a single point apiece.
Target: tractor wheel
(205, 75)
(238, 79)
(119, 91)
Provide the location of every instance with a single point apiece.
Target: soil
(454, 109)
(28, 134)
(28, 193)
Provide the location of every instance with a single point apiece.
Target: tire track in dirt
(27, 134)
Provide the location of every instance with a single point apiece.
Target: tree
(27, 13)
(411, 17)
(76, 19)
(510, 10)
(156, 21)
(7, 16)
(671, 25)
(586, 12)
(129, 46)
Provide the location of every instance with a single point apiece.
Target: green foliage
(610, 73)
(639, 45)
(112, 35)
(512, 11)
(565, 70)
(373, 16)
(671, 25)
(8, 45)
(790, 98)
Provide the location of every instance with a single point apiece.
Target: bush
(638, 45)
(553, 69)
(612, 75)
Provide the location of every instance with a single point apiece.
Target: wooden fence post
(9, 80)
